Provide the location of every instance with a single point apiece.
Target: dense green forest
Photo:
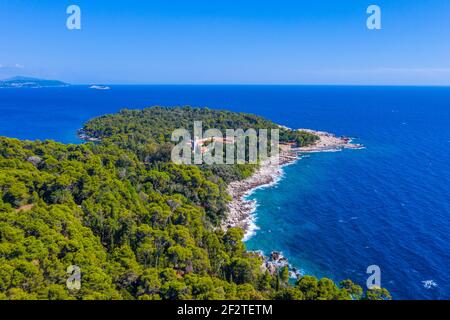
(143, 130)
(138, 226)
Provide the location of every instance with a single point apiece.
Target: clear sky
(222, 42)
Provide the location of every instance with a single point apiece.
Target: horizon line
(262, 84)
(235, 83)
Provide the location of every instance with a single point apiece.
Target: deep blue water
(333, 214)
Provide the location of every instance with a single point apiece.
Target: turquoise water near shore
(332, 214)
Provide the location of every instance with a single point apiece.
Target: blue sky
(215, 42)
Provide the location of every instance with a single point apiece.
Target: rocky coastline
(240, 209)
(86, 137)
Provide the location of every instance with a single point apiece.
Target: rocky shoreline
(240, 209)
(276, 261)
(86, 137)
(270, 172)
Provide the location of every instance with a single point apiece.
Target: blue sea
(332, 214)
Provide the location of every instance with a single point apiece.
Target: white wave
(276, 178)
(252, 228)
(251, 220)
(325, 150)
(429, 284)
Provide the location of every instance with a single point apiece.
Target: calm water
(333, 214)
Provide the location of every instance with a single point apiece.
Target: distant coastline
(28, 82)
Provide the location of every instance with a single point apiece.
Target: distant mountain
(28, 82)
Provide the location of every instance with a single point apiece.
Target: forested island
(29, 82)
(137, 225)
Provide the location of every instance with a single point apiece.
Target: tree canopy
(137, 228)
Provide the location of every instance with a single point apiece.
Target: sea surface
(332, 214)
